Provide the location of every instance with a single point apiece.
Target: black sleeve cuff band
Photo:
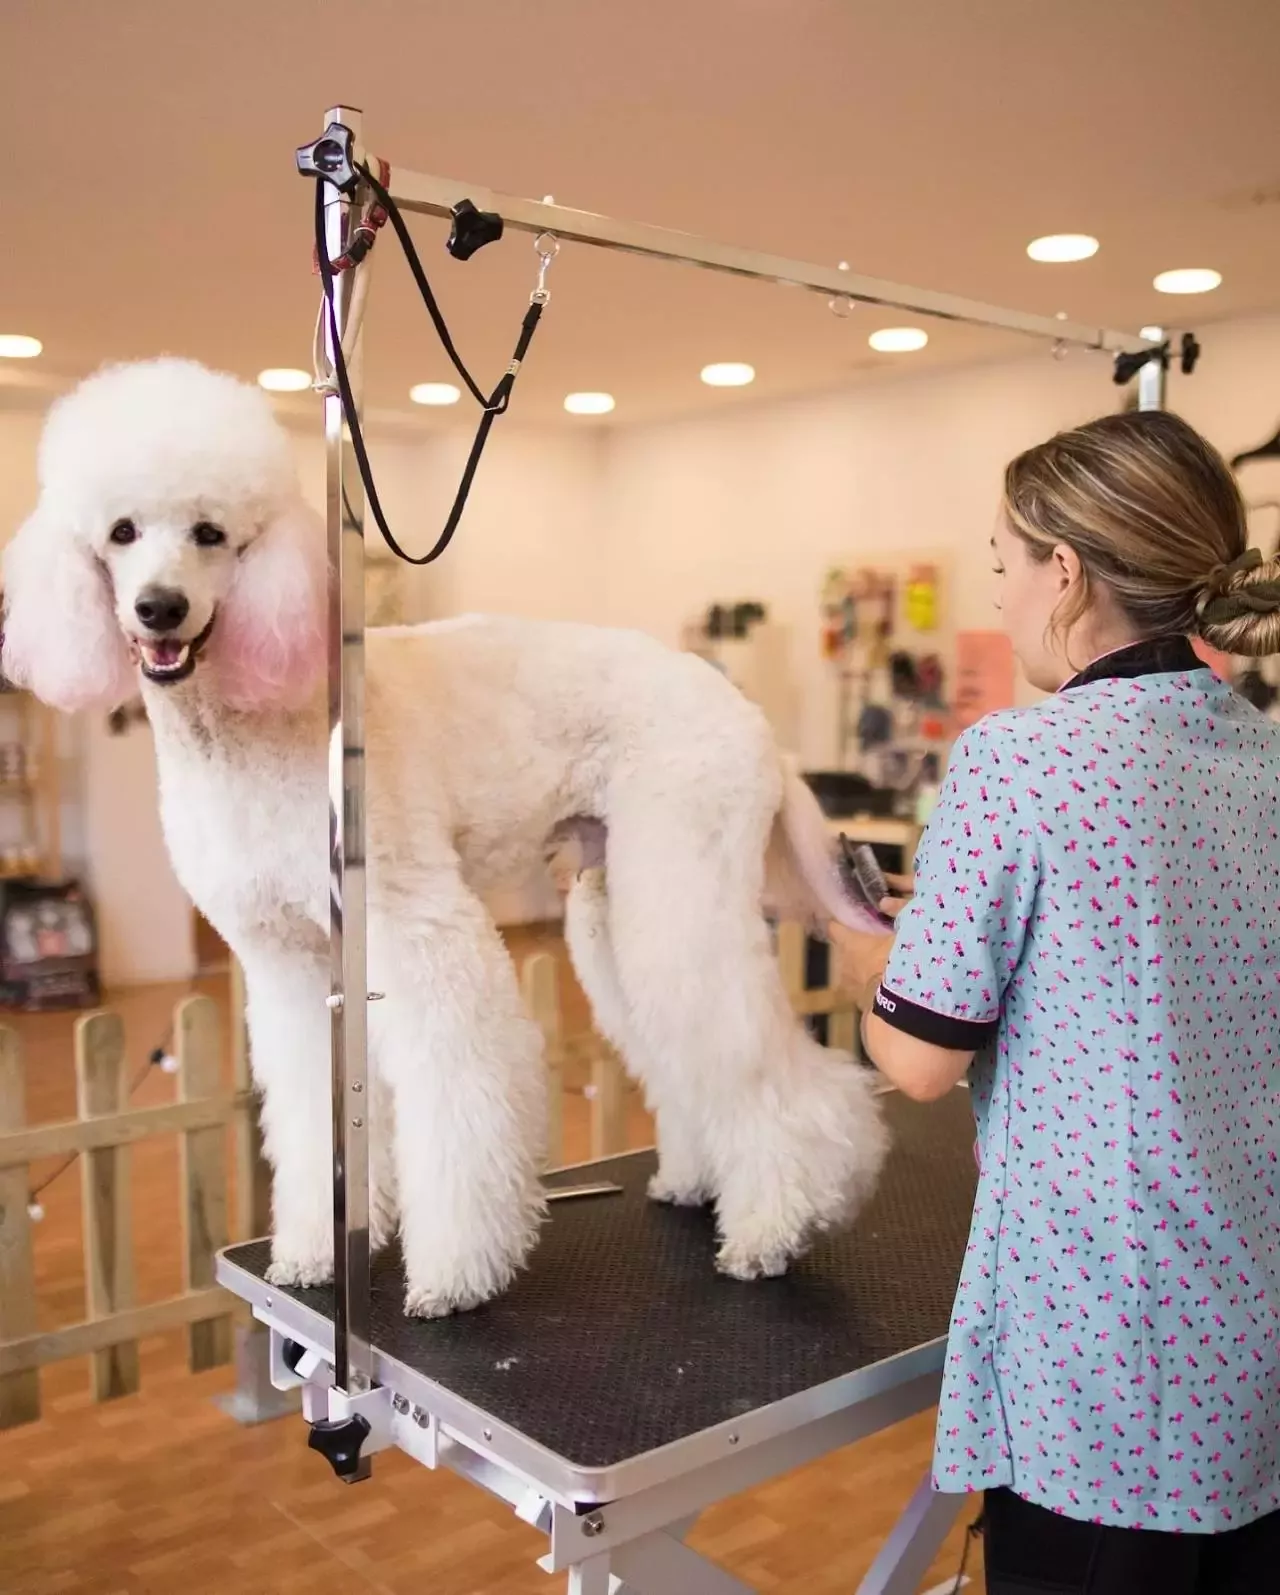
(940, 1030)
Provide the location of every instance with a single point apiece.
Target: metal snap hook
(547, 247)
(840, 305)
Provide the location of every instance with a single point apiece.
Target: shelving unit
(30, 796)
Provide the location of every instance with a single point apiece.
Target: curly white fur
(483, 736)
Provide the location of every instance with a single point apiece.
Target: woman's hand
(860, 960)
(904, 887)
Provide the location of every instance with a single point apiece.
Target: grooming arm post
(437, 196)
(1153, 379)
(353, 1358)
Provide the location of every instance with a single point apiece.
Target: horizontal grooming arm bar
(436, 196)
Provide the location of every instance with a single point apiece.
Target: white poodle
(170, 541)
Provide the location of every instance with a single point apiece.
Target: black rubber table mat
(620, 1337)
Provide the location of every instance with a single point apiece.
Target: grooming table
(621, 1386)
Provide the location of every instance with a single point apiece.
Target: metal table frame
(619, 1529)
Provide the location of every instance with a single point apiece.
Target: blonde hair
(1155, 516)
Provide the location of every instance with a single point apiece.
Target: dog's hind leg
(790, 1131)
(464, 1063)
(682, 1176)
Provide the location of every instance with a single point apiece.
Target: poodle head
(169, 538)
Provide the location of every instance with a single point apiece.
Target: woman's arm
(920, 1070)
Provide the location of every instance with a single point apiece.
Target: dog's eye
(207, 535)
(124, 532)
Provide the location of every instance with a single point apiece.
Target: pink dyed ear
(269, 642)
(61, 639)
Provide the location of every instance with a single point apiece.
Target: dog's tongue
(165, 652)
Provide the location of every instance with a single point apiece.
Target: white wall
(758, 501)
(531, 541)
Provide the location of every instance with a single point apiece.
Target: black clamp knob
(1128, 364)
(291, 1354)
(331, 157)
(472, 229)
(338, 1440)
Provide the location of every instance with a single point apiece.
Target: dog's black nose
(161, 608)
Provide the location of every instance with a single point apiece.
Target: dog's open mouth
(166, 660)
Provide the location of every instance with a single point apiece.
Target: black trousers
(1032, 1551)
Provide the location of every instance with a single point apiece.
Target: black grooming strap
(494, 406)
(420, 277)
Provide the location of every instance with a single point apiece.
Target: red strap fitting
(372, 218)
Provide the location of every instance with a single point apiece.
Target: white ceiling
(152, 202)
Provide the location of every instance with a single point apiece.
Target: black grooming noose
(493, 406)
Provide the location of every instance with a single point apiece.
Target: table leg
(661, 1564)
(917, 1536)
(591, 1577)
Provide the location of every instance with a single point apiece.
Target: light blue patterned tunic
(1098, 910)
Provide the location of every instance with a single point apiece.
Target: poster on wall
(984, 676)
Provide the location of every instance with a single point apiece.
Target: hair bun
(1238, 611)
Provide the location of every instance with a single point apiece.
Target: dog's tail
(803, 880)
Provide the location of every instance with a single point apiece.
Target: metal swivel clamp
(472, 229)
(331, 157)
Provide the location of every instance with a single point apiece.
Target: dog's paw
(740, 1260)
(300, 1272)
(672, 1194)
(443, 1303)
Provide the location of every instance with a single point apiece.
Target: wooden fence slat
(540, 985)
(252, 1171)
(104, 1184)
(839, 1006)
(608, 1103)
(117, 1129)
(77, 1340)
(204, 1175)
(20, 1390)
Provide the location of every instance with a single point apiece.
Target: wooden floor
(160, 1494)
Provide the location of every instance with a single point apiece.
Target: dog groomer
(1094, 936)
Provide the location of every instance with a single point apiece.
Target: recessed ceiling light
(284, 379)
(434, 393)
(728, 374)
(898, 340)
(1058, 248)
(589, 403)
(1188, 280)
(17, 346)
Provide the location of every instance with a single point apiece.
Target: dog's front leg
(289, 1048)
(465, 1066)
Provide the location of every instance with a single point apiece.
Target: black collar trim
(1153, 656)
